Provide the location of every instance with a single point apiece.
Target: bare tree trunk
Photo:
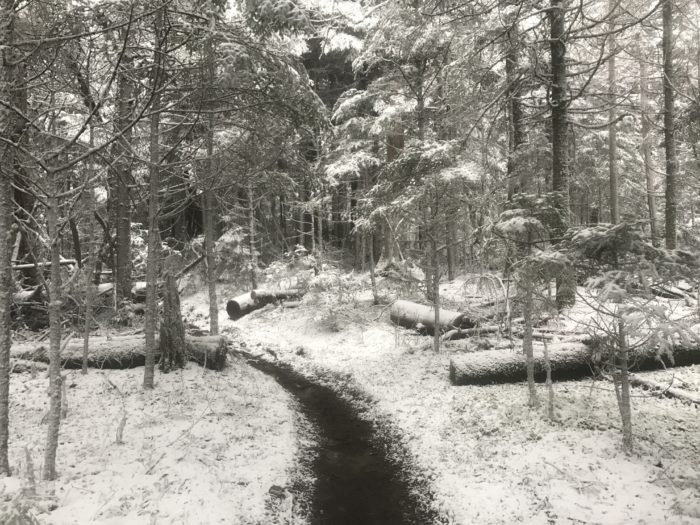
(612, 126)
(527, 284)
(152, 260)
(450, 237)
(251, 237)
(559, 102)
(54, 415)
(122, 176)
(210, 197)
(623, 391)
(7, 162)
(646, 151)
(669, 125)
(436, 293)
(516, 183)
(375, 293)
(90, 291)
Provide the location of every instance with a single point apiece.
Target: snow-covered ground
(206, 447)
(203, 447)
(491, 459)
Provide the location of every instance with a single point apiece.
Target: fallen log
(21, 366)
(246, 303)
(568, 360)
(458, 333)
(26, 266)
(662, 390)
(412, 315)
(124, 352)
(270, 296)
(240, 306)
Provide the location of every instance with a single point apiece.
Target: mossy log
(413, 315)
(248, 302)
(125, 352)
(568, 360)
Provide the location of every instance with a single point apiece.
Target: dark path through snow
(356, 483)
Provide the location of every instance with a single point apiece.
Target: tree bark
(255, 299)
(669, 125)
(152, 262)
(559, 103)
(172, 346)
(414, 315)
(517, 179)
(612, 126)
(121, 176)
(54, 415)
(646, 151)
(252, 243)
(7, 161)
(89, 269)
(568, 361)
(118, 353)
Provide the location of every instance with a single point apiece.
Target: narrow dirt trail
(356, 483)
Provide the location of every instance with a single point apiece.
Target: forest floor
(207, 447)
(203, 447)
(489, 458)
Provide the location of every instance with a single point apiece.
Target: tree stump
(173, 349)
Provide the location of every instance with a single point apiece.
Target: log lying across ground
(568, 360)
(124, 352)
(414, 315)
(248, 302)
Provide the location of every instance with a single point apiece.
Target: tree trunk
(372, 276)
(559, 102)
(451, 241)
(209, 207)
(612, 126)
(172, 347)
(121, 177)
(436, 293)
(623, 378)
(54, 415)
(151, 321)
(7, 161)
(251, 237)
(517, 179)
(89, 269)
(646, 151)
(669, 125)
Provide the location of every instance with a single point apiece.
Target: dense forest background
(539, 139)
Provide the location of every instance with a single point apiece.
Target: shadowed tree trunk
(612, 129)
(121, 176)
(151, 321)
(559, 102)
(7, 161)
(669, 125)
(210, 204)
